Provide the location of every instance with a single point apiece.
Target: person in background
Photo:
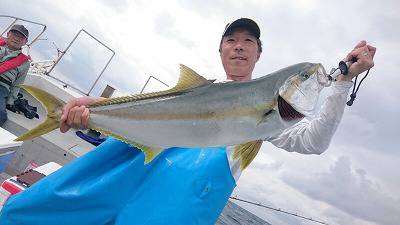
(181, 186)
(14, 66)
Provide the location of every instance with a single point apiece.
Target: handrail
(62, 52)
(149, 80)
(29, 21)
(65, 51)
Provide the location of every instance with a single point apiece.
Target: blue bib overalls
(110, 185)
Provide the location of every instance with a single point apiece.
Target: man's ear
(258, 56)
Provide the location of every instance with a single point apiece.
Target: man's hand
(364, 54)
(75, 114)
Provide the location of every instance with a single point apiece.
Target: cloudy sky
(355, 182)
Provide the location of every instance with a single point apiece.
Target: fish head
(298, 95)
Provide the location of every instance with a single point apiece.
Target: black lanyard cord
(354, 92)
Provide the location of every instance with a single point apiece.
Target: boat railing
(41, 67)
(65, 51)
(45, 67)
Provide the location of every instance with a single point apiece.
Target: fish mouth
(287, 112)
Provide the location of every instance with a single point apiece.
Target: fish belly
(188, 133)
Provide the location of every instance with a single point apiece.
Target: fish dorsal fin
(188, 79)
(247, 152)
(149, 152)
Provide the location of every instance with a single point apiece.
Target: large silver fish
(199, 113)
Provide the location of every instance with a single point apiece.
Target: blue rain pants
(110, 185)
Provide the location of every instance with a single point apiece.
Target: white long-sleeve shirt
(310, 135)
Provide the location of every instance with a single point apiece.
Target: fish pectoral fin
(265, 117)
(247, 152)
(188, 79)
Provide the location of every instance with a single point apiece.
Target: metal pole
(102, 71)
(148, 82)
(65, 51)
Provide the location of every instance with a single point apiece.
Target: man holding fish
(190, 184)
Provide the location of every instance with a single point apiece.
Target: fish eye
(304, 75)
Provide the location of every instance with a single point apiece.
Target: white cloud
(351, 191)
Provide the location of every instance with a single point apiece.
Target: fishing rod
(278, 210)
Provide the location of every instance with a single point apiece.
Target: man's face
(239, 54)
(15, 40)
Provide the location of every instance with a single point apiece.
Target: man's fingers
(372, 50)
(351, 55)
(364, 54)
(85, 118)
(64, 123)
(75, 114)
(71, 116)
(64, 127)
(360, 44)
(78, 116)
(358, 53)
(67, 107)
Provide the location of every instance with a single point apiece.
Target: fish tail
(53, 106)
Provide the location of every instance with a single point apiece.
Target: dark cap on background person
(20, 29)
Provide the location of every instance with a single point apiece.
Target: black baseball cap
(21, 29)
(243, 23)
